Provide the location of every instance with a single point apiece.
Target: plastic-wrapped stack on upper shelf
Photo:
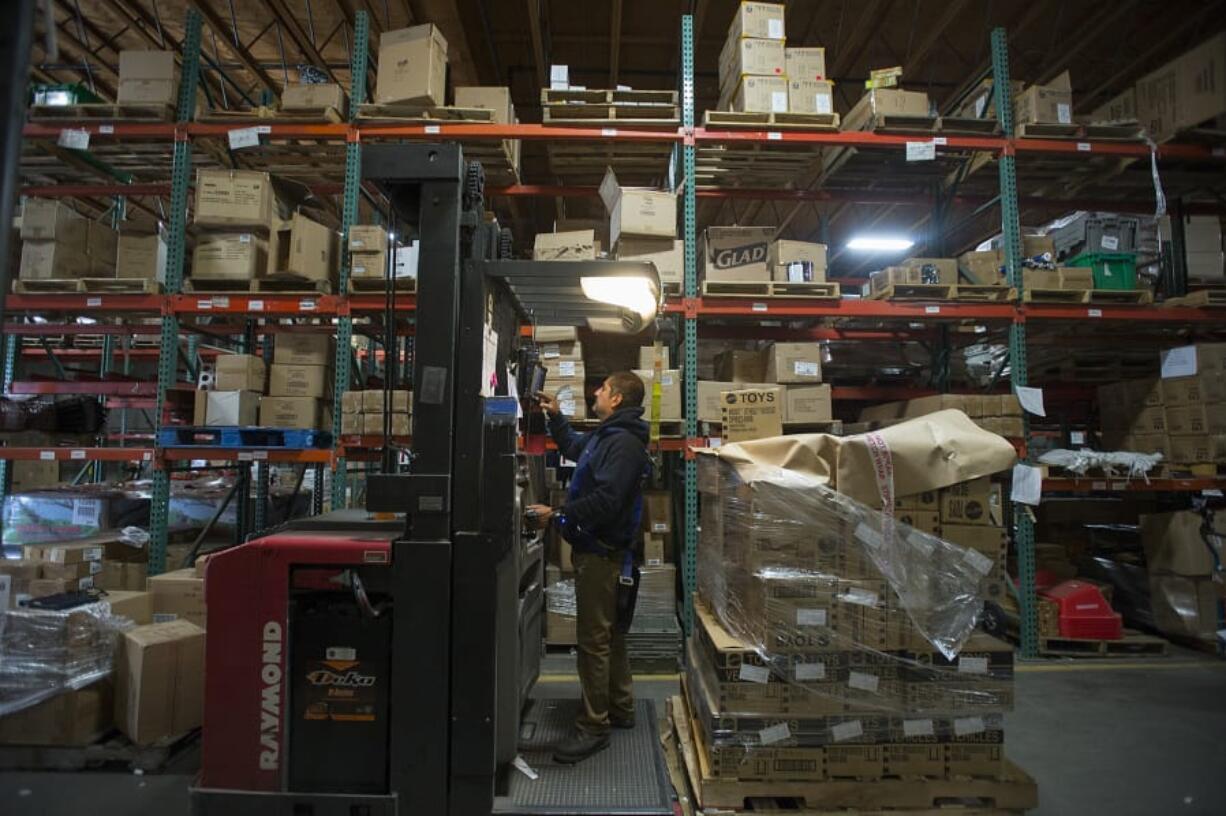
(831, 639)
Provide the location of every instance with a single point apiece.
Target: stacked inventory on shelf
(367, 412)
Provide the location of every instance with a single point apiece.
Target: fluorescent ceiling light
(631, 292)
(880, 243)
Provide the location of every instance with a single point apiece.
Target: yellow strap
(656, 392)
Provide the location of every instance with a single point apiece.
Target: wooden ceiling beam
(292, 27)
(538, 43)
(615, 42)
(240, 53)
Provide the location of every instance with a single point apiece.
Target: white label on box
(779, 101)
(921, 151)
(1027, 485)
(85, 513)
(1084, 147)
(559, 73)
(550, 351)
(774, 733)
(932, 310)
(810, 617)
(847, 730)
(774, 136)
(666, 379)
(47, 455)
(1031, 399)
(95, 567)
(164, 617)
(306, 305)
(1094, 313)
(93, 301)
(859, 596)
(566, 368)
(979, 562)
(774, 29)
(754, 674)
(821, 103)
(244, 137)
(1111, 242)
(758, 307)
(863, 681)
(92, 553)
(76, 454)
(1179, 362)
(1064, 113)
(86, 582)
(810, 671)
(965, 726)
(918, 728)
(801, 368)
(972, 665)
(432, 129)
(106, 128)
(659, 527)
(608, 131)
(74, 139)
(255, 305)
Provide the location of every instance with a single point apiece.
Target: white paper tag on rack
(107, 129)
(255, 305)
(204, 304)
(1031, 399)
(810, 617)
(918, 728)
(264, 129)
(432, 129)
(940, 140)
(1027, 485)
(921, 151)
(306, 305)
(47, 455)
(774, 136)
(863, 681)
(810, 671)
(972, 665)
(76, 454)
(965, 726)
(243, 137)
(758, 307)
(74, 139)
(774, 733)
(754, 674)
(245, 456)
(1111, 243)
(608, 131)
(932, 310)
(847, 730)
(1084, 147)
(93, 301)
(1094, 313)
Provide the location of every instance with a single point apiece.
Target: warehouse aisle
(1118, 738)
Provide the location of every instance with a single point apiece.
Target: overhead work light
(880, 243)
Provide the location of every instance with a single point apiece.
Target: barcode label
(774, 733)
(255, 305)
(759, 307)
(47, 455)
(810, 671)
(221, 302)
(863, 681)
(608, 131)
(972, 665)
(810, 617)
(932, 310)
(204, 304)
(306, 305)
(774, 136)
(106, 129)
(754, 674)
(847, 730)
(1084, 147)
(76, 454)
(93, 301)
(1094, 312)
(917, 728)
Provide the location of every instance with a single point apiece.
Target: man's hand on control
(549, 403)
(540, 514)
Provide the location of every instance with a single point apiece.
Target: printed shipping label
(804, 369)
(754, 674)
(810, 617)
(917, 728)
(965, 726)
(863, 681)
(774, 733)
(810, 671)
(847, 730)
(972, 665)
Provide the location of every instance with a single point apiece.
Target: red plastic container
(1084, 612)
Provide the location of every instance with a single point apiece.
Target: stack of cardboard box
(1131, 416)
(884, 102)
(362, 412)
(643, 227)
(234, 400)
(753, 62)
(179, 595)
(915, 272)
(1045, 104)
(368, 247)
(497, 100)
(1180, 561)
(788, 377)
(986, 267)
(235, 209)
(752, 254)
(299, 381)
(565, 374)
(1000, 414)
(670, 384)
(159, 681)
(412, 66)
(1185, 92)
(57, 243)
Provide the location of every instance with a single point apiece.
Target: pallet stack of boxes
(739, 255)
(786, 375)
(363, 412)
(1000, 414)
(412, 67)
(1183, 596)
(881, 103)
(822, 633)
(298, 381)
(565, 374)
(913, 272)
(368, 249)
(987, 267)
(59, 244)
(758, 73)
(233, 211)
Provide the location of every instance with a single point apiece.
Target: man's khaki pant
(604, 667)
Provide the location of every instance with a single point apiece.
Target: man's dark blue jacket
(617, 460)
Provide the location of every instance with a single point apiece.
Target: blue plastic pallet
(242, 437)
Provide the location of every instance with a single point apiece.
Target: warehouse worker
(601, 521)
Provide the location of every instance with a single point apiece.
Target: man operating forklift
(600, 520)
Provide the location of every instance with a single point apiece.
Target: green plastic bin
(1112, 270)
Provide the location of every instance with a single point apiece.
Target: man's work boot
(579, 746)
(622, 720)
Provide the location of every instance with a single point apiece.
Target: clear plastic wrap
(45, 651)
(824, 624)
(560, 598)
(1114, 463)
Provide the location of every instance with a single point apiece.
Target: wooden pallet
(373, 114)
(103, 110)
(819, 290)
(285, 285)
(1014, 792)
(48, 286)
(977, 293)
(611, 115)
(771, 289)
(609, 96)
(378, 285)
(111, 749)
(644, 163)
(905, 124)
(117, 286)
(915, 291)
(753, 165)
(1048, 130)
(748, 120)
(1203, 298)
(1116, 132)
(1120, 297)
(1132, 644)
(1056, 296)
(969, 125)
(265, 115)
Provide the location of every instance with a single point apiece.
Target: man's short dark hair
(629, 386)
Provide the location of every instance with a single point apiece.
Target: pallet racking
(848, 319)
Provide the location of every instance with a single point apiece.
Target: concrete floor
(1126, 737)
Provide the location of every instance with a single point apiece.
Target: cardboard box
(560, 368)
(748, 56)
(141, 256)
(737, 365)
(101, 243)
(934, 270)
(637, 213)
(1120, 108)
(1182, 606)
(981, 538)
(316, 96)
(1062, 277)
(34, 474)
(412, 66)
(710, 406)
(879, 102)
(200, 408)
(303, 349)
(289, 412)
(657, 512)
(754, 413)
(297, 380)
(564, 246)
(367, 238)
(229, 256)
(147, 92)
(1161, 443)
(929, 500)
(302, 247)
(883, 279)
(47, 219)
(1195, 450)
(74, 717)
(123, 576)
(974, 502)
(554, 334)
(231, 407)
(806, 404)
(233, 198)
(373, 424)
(670, 393)
(494, 98)
(1189, 90)
(793, 363)
(352, 423)
(1195, 420)
(736, 253)
(1174, 543)
(178, 595)
(147, 65)
(351, 402)
(783, 252)
(759, 94)
(135, 605)
(160, 681)
(984, 268)
(63, 553)
(653, 550)
(373, 401)
(1193, 390)
(925, 521)
(647, 357)
(763, 20)
(561, 351)
(70, 572)
(805, 63)
(810, 95)
(368, 265)
(1051, 103)
(667, 255)
(239, 372)
(46, 260)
